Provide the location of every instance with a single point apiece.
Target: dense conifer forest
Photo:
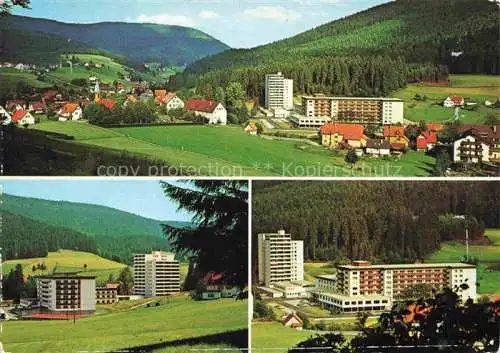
(382, 221)
(370, 53)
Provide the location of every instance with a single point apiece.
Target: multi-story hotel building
(156, 274)
(67, 292)
(319, 109)
(107, 294)
(280, 258)
(279, 92)
(363, 286)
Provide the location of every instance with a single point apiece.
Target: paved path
(1, 348)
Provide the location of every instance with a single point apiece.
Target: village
(358, 127)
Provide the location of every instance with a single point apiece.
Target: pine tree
(218, 240)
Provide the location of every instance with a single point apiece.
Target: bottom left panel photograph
(111, 265)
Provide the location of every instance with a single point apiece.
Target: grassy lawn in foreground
(176, 318)
(274, 337)
(228, 151)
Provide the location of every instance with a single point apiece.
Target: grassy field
(477, 88)
(176, 318)
(10, 78)
(274, 337)
(69, 261)
(487, 254)
(313, 269)
(228, 151)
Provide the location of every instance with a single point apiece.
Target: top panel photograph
(310, 88)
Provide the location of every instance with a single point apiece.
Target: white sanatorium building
(279, 92)
(281, 259)
(66, 292)
(363, 286)
(156, 274)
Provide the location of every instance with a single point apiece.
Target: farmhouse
(213, 111)
(396, 137)
(107, 103)
(426, 141)
(70, 111)
(216, 287)
(23, 117)
(251, 129)
(294, 321)
(38, 107)
(378, 147)
(5, 117)
(453, 101)
(16, 104)
(343, 135)
(170, 101)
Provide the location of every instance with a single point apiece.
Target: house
(130, 100)
(160, 93)
(21, 67)
(338, 135)
(107, 103)
(16, 104)
(51, 95)
(215, 287)
(38, 108)
(294, 321)
(23, 117)
(396, 137)
(5, 117)
(251, 129)
(378, 147)
(213, 111)
(426, 140)
(435, 127)
(488, 134)
(470, 149)
(170, 101)
(70, 111)
(453, 101)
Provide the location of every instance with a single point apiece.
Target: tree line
(381, 221)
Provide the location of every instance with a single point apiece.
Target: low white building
(23, 117)
(170, 101)
(470, 149)
(5, 117)
(70, 111)
(213, 111)
(453, 101)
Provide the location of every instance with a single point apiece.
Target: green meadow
(228, 150)
(176, 318)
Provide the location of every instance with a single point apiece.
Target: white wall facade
(392, 112)
(485, 155)
(175, 103)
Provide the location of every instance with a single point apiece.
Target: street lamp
(466, 236)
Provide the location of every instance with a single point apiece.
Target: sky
(144, 197)
(238, 23)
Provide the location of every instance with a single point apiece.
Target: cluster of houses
(352, 136)
(459, 102)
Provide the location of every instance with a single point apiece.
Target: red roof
(164, 99)
(390, 131)
(108, 103)
(19, 115)
(425, 138)
(70, 108)
(201, 105)
(435, 127)
(213, 277)
(457, 100)
(348, 131)
(39, 106)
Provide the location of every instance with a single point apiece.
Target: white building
(170, 101)
(470, 150)
(156, 274)
(214, 112)
(281, 259)
(279, 92)
(363, 286)
(70, 111)
(5, 117)
(67, 292)
(23, 117)
(355, 110)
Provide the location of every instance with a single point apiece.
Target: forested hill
(118, 234)
(137, 42)
(389, 221)
(370, 53)
(425, 31)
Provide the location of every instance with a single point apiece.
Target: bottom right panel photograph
(376, 266)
